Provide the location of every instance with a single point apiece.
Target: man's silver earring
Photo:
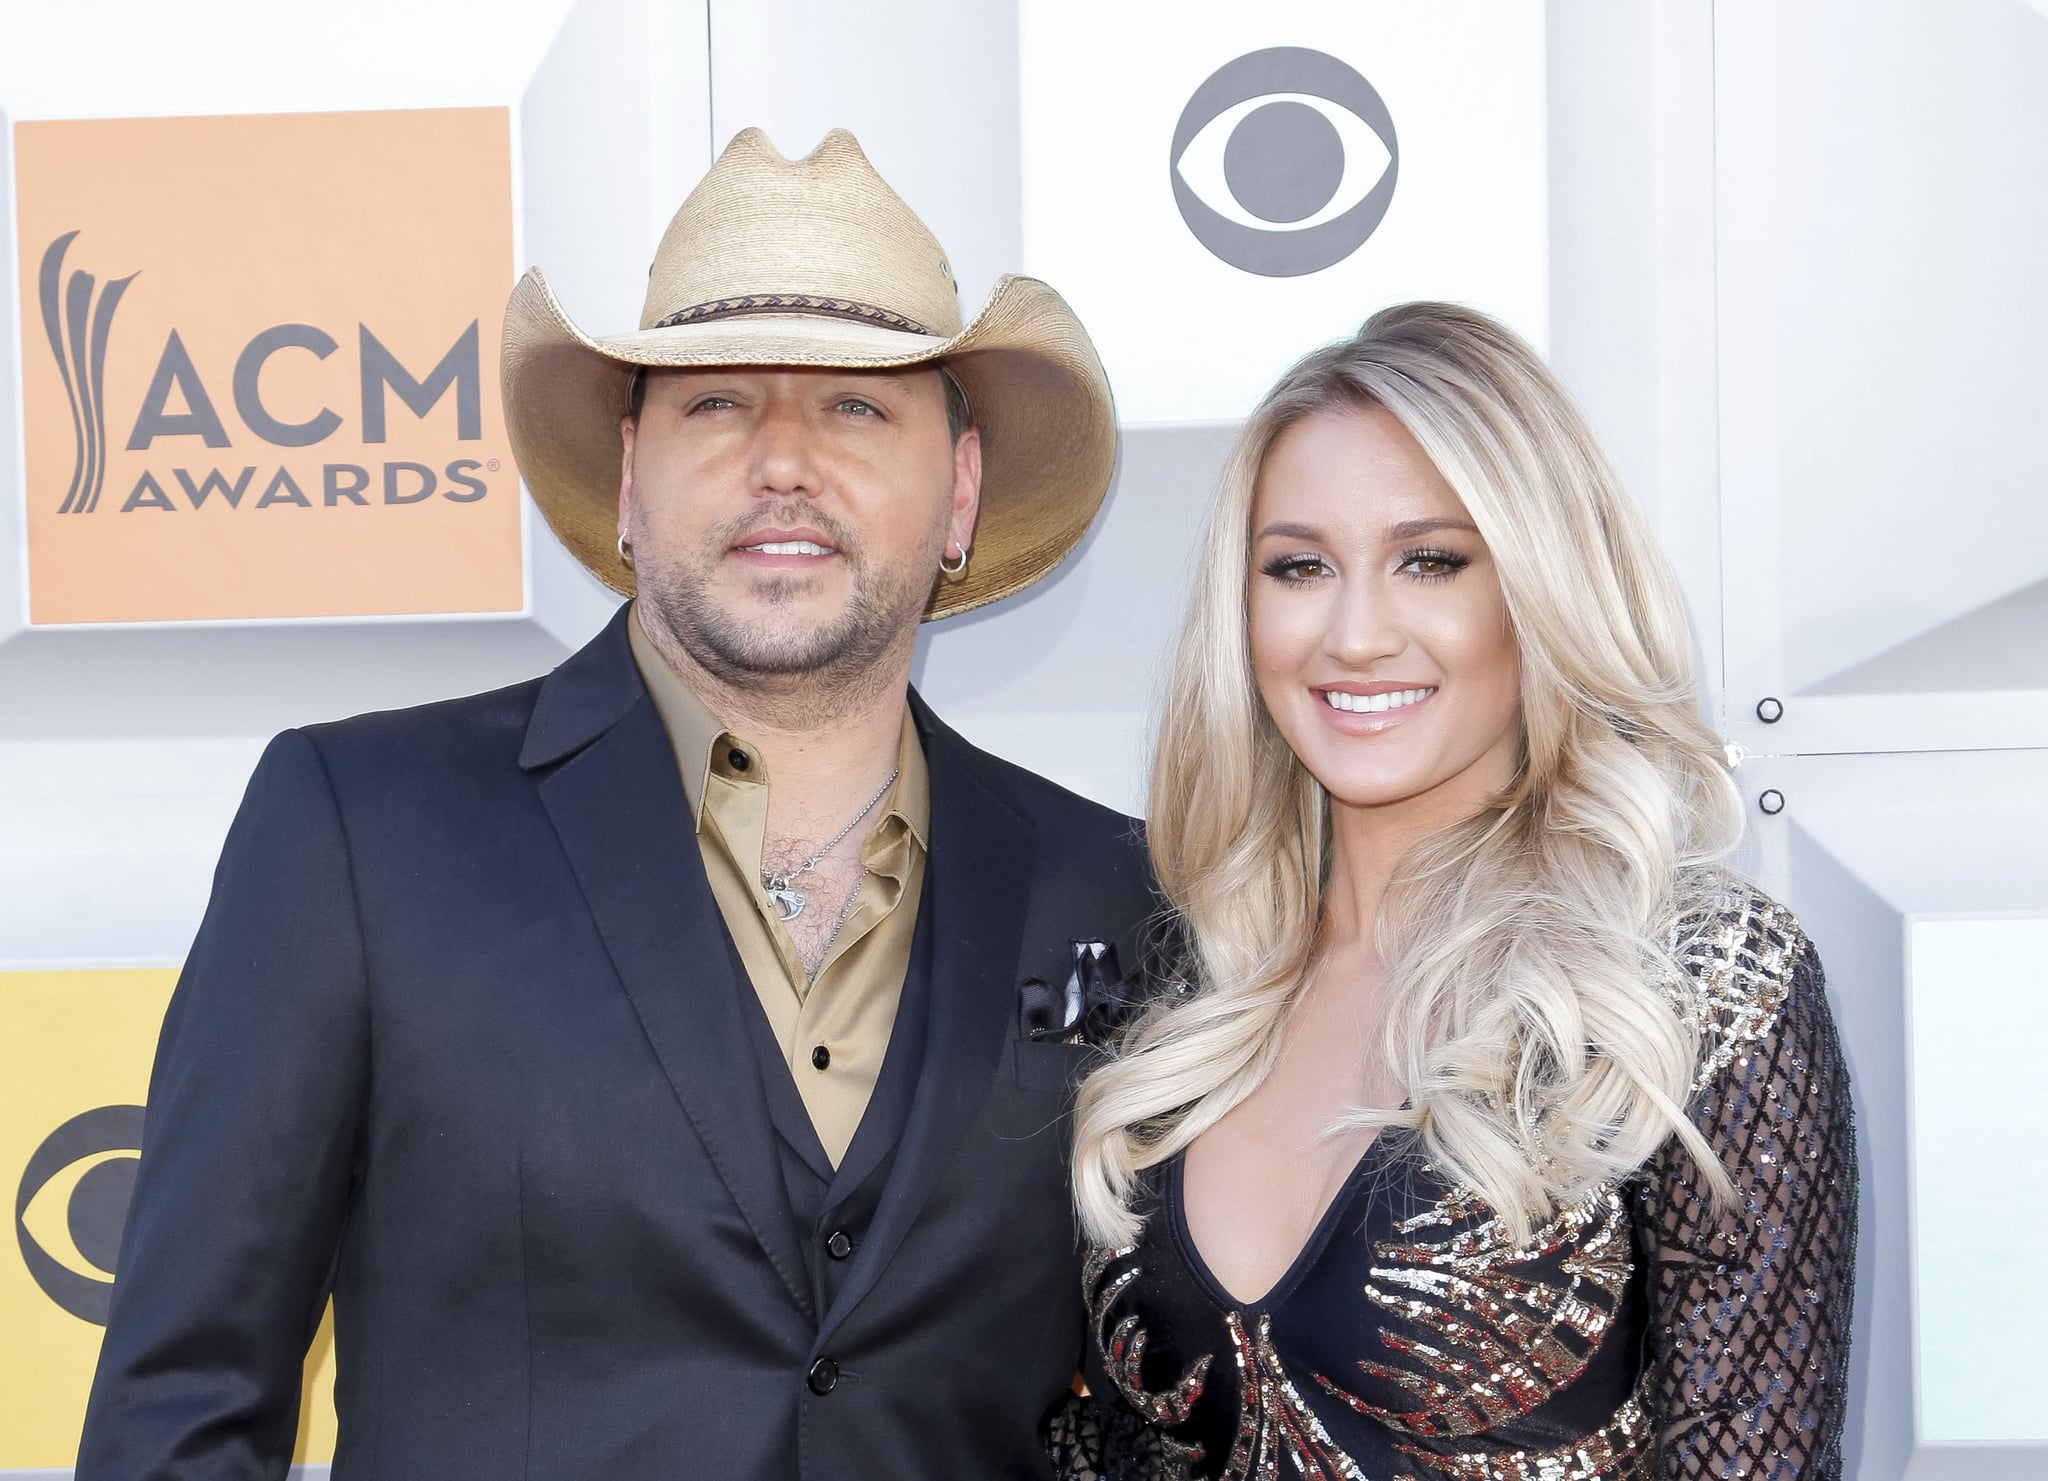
(625, 551)
(954, 571)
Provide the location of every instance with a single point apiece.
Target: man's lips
(796, 546)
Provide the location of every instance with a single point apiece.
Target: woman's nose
(1364, 625)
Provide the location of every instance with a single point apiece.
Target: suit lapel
(977, 884)
(617, 805)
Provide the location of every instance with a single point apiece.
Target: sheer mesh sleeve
(1750, 1306)
(1101, 1438)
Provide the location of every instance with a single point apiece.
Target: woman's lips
(1371, 708)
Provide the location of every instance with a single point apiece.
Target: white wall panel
(1977, 1021)
(1862, 847)
(929, 87)
(1065, 678)
(107, 847)
(1443, 105)
(1885, 578)
(1881, 305)
(1632, 331)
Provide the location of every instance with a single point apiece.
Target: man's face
(789, 521)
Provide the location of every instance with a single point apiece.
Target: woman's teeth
(1372, 704)
(789, 547)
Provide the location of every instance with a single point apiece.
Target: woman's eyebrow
(1408, 529)
(1291, 531)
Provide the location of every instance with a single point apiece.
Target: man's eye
(713, 403)
(854, 406)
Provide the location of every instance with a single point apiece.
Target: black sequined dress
(1644, 1332)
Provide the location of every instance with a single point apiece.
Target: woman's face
(1379, 634)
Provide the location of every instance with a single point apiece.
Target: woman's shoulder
(1747, 963)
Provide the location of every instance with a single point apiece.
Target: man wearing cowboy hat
(663, 1063)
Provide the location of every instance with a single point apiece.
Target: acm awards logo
(1296, 157)
(72, 1203)
(259, 359)
(81, 356)
(177, 404)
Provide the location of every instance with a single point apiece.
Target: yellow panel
(75, 1049)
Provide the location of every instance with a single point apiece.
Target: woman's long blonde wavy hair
(1531, 1008)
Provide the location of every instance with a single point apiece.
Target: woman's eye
(1434, 565)
(1296, 570)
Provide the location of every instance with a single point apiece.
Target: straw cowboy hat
(818, 262)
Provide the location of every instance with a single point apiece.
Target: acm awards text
(402, 481)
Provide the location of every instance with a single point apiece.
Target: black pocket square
(1085, 1009)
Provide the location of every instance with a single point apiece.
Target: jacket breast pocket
(1050, 1066)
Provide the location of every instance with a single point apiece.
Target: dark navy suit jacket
(463, 1041)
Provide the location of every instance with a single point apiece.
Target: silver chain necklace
(852, 896)
(789, 901)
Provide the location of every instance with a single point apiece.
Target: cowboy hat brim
(1041, 403)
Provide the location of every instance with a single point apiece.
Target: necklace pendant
(788, 903)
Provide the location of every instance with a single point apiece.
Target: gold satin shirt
(850, 1007)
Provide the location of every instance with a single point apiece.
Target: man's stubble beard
(833, 663)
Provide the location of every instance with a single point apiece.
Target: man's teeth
(790, 547)
(1371, 704)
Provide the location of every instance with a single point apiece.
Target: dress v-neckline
(1304, 1259)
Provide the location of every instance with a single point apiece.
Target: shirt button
(839, 1246)
(821, 1058)
(739, 759)
(823, 1377)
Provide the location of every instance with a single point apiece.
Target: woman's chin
(1349, 788)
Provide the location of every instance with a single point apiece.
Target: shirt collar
(913, 799)
(692, 729)
(698, 738)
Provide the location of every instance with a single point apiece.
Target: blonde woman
(1489, 1128)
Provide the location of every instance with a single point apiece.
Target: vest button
(839, 1246)
(738, 759)
(821, 1058)
(823, 1377)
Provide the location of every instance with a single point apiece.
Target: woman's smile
(1371, 709)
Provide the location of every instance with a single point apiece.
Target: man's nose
(785, 453)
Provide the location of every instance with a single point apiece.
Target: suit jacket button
(824, 1377)
(838, 1246)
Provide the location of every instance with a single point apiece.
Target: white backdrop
(1788, 256)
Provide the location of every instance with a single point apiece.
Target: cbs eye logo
(71, 1206)
(1284, 161)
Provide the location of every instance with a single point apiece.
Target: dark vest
(832, 1209)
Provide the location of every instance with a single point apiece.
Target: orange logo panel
(259, 365)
